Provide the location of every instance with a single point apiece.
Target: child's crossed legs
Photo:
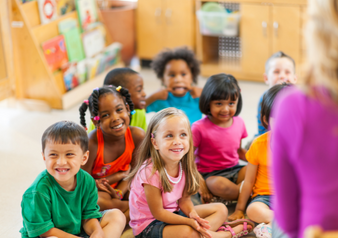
(215, 213)
(222, 187)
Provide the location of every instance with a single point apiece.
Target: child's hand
(204, 232)
(238, 214)
(202, 222)
(195, 92)
(105, 187)
(206, 195)
(102, 180)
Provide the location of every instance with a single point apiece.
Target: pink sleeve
(196, 136)
(244, 133)
(146, 177)
(285, 138)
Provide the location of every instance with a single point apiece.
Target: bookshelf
(34, 79)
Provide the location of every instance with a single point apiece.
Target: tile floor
(20, 146)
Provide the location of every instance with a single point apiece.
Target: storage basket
(218, 23)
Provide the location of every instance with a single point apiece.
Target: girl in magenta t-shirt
(217, 139)
(163, 181)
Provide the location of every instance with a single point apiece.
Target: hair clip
(132, 112)
(96, 89)
(86, 102)
(152, 135)
(110, 85)
(97, 118)
(118, 88)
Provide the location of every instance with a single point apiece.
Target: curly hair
(180, 53)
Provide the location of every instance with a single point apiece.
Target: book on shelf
(87, 13)
(65, 6)
(93, 42)
(55, 52)
(47, 10)
(71, 33)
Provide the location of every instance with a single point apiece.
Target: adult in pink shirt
(305, 133)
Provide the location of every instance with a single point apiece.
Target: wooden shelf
(83, 91)
(34, 79)
(263, 2)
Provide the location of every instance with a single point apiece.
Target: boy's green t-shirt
(46, 204)
(138, 119)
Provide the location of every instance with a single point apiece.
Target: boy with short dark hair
(279, 68)
(62, 201)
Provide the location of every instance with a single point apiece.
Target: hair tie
(152, 135)
(118, 88)
(96, 89)
(97, 118)
(86, 102)
(110, 86)
(132, 112)
(86, 128)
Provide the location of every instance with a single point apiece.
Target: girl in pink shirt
(163, 181)
(217, 139)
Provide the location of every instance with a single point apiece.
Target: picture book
(65, 6)
(87, 13)
(47, 10)
(55, 52)
(93, 42)
(72, 36)
(70, 76)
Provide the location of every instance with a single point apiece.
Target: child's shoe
(221, 200)
(263, 231)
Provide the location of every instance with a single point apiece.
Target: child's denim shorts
(155, 228)
(229, 173)
(266, 199)
(83, 233)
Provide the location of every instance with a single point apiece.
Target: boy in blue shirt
(279, 68)
(62, 201)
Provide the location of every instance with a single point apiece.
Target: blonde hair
(322, 45)
(148, 154)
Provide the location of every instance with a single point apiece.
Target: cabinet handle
(158, 13)
(168, 15)
(264, 26)
(276, 26)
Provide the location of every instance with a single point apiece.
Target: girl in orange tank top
(112, 144)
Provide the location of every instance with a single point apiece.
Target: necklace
(179, 177)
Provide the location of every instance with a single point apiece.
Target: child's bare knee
(115, 216)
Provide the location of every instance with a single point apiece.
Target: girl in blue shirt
(178, 70)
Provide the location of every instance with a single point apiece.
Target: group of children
(125, 171)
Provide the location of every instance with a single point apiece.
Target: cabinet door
(150, 30)
(255, 36)
(287, 31)
(179, 23)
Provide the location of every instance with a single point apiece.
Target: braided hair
(93, 101)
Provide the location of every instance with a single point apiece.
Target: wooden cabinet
(265, 28)
(164, 24)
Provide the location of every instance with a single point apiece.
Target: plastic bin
(218, 23)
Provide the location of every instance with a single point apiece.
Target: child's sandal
(234, 235)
